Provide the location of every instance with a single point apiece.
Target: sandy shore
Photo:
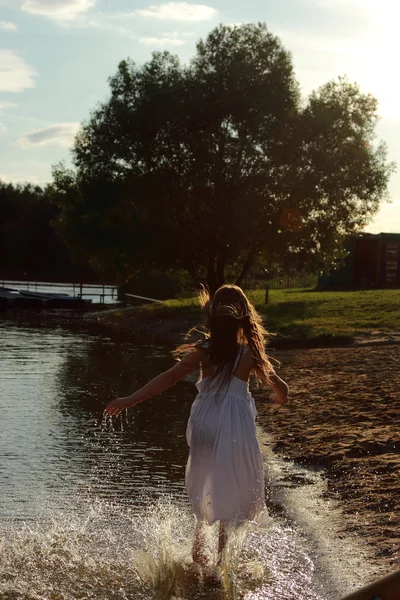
(344, 416)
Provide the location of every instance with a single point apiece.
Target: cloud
(5, 105)
(15, 74)
(175, 34)
(153, 41)
(179, 11)
(59, 134)
(14, 178)
(7, 26)
(101, 22)
(60, 10)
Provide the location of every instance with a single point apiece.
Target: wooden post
(266, 294)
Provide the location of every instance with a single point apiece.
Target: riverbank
(344, 418)
(296, 318)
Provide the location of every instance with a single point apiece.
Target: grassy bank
(307, 313)
(292, 314)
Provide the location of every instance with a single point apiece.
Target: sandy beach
(344, 416)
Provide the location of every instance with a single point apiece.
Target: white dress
(224, 472)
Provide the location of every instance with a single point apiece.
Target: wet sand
(344, 417)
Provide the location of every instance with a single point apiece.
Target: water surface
(54, 385)
(97, 509)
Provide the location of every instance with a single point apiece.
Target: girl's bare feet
(200, 559)
(222, 539)
(199, 555)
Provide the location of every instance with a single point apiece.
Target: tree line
(30, 247)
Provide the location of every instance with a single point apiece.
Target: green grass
(308, 313)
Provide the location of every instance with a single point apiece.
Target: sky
(57, 55)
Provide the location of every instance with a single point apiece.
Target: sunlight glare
(373, 63)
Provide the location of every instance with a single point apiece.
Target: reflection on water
(96, 510)
(53, 388)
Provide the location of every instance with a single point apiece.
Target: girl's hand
(116, 406)
(279, 398)
(281, 390)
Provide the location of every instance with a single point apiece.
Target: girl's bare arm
(157, 385)
(280, 387)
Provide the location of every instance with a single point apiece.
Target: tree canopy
(218, 165)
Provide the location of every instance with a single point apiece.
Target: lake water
(91, 508)
(107, 294)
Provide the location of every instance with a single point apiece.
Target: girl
(224, 473)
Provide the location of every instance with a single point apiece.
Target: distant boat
(25, 299)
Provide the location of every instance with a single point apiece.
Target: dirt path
(345, 416)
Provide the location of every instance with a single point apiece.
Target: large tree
(218, 165)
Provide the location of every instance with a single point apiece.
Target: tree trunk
(212, 275)
(246, 267)
(191, 269)
(220, 271)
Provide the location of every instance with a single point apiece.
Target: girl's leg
(222, 539)
(198, 551)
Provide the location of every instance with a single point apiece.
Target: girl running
(224, 472)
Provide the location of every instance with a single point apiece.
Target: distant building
(373, 262)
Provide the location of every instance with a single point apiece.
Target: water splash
(65, 559)
(115, 553)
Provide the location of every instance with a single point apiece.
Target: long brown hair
(230, 320)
